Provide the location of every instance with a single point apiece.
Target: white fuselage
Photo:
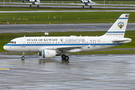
(79, 44)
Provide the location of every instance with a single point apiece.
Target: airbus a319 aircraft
(49, 47)
(91, 3)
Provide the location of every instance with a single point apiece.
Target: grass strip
(62, 17)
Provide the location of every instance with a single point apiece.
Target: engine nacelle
(48, 53)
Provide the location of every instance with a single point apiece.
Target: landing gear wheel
(63, 56)
(23, 58)
(90, 6)
(37, 5)
(66, 58)
(30, 5)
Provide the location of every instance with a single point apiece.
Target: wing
(69, 49)
(63, 49)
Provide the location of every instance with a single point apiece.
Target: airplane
(49, 47)
(91, 3)
(32, 2)
(87, 2)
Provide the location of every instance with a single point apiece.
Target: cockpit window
(12, 42)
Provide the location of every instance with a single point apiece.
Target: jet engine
(48, 53)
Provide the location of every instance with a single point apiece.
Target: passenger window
(12, 42)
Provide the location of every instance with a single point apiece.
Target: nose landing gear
(23, 57)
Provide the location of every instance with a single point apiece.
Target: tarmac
(123, 11)
(82, 72)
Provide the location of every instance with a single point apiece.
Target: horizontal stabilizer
(123, 40)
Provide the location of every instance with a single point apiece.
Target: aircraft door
(23, 42)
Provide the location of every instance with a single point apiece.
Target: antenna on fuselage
(46, 33)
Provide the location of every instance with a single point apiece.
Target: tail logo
(120, 24)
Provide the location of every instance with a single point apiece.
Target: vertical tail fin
(119, 27)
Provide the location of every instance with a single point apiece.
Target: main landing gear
(64, 57)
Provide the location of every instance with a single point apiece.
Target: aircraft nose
(5, 47)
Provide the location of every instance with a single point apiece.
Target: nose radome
(5, 48)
